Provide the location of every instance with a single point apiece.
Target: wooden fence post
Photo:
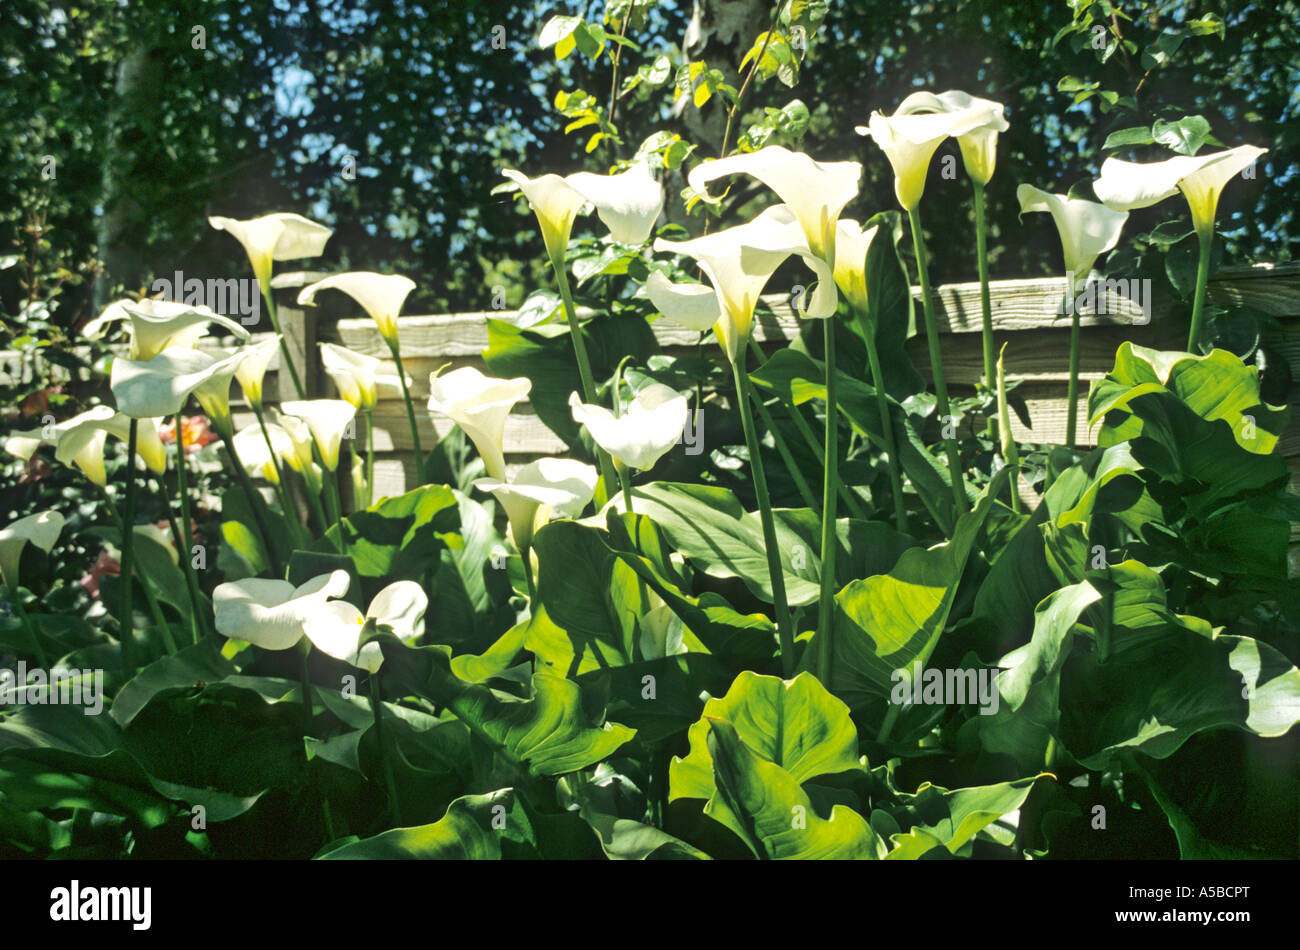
(299, 329)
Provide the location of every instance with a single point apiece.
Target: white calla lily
(979, 144)
(161, 386)
(41, 529)
(157, 325)
(282, 236)
(23, 444)
(641, 436)
(336, 628)
(544, 488)
(1126, 186)
(909, 142)
(251, 371)
(328, 420)
(357, 376)
(815, 191)
(479, 404)
(1087, 229)
(628, 203)
(298, 455)
(253, 451)
(271, 613)
(80, 441)
(851, 246)
(739, 262)
(381, 296)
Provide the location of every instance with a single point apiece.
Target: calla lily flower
(1087, 229)
(815, 191)
(251, 370)
(380, 295)
(851, 246)
(23, 444)
(157, 325)
(336, 627)
(1125, 186)
(544, 488)
(298, 454)
(41, 529)
(909, 142)
(271, 614)
(255, 454)
(357, 376)
(328, 420)
(282, 236)
(628, 203)
(479, 405)
(80, 441)
(160, 386)
(739, 262)
(640, 437)
(979, 145)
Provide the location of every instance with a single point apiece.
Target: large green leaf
(202, 662)
(952, 818)
(1215, 386)
(548, 733)
(887, 622)
(795, 724)
(471, 595)
(891, 316)
(398, 538)
(770, 811)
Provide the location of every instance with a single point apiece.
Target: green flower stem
(28, 627)
(187, 535)
(891, 716)
(625, 480)
(395, 349)
(800, 482)
(814, 446)
(785, 629)
(154, 609)
(334, 503)
(284, 347)
(304, 678)
(886, 422)
(584, 367)
(370, 457)
(1072, 386)
(376, 701)
(830, 541)
(982, 262)
(1206, 241)
(185, 556)
(313, 499)
(1010, 451)
(527, 554)
(936, 361)
(255, 504)
(281, 487)
(126, 621)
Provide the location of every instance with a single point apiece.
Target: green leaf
(1184, 135)
(891, 316)
(769, 810)
(549, 732)
(1137, 135)
(889, 621)
(476, 827)
(398, 538)
(199, 663)
(953, 818)
(794, 724)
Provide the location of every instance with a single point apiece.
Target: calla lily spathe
(979, 145)
(479, 404)
(381, 296)
(628, 203)
(815, 191)
(739, 262)
(641, 436)
(157, 325)
(1087, 229)
(41, 529)
(357, 376)
(253, 451)
(328, 420)
(251, 371)
(271, 614)
(1125, 186)
(160, 386)
(851, 246)
(336, 627)
(542, 489)
(80, 441)
(297, 453)
(282, 236)
(909, 142)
